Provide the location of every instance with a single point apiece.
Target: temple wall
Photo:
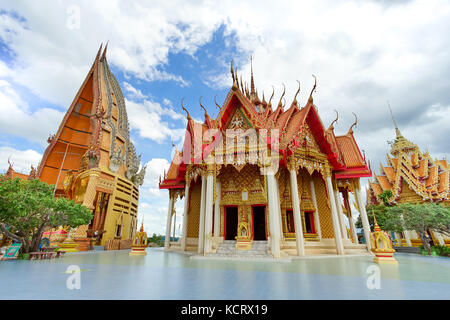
(326, 224)
(195, 192)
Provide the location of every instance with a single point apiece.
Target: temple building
(258, 175)
(411, 176)
(92, 160)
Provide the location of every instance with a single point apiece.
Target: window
(290, 227)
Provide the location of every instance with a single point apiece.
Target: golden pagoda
(412, 177)
(92, 160)
(381, 245)
(139, 242)
(275, 176)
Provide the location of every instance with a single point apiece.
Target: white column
(278, 201)
(364, 219)
(217, 211)
(201, 228)
(334, 218)
(169, 222)
(273, 216)
(346, 196)
(174, 224)
(406, 234)
(439, 238)
(297, 215)
(185, 217)
(341, 215)
(316, 212)
(209, 211)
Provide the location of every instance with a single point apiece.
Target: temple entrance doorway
(259, 222)
(231, 223)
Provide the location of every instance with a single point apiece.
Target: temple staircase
(227, 249)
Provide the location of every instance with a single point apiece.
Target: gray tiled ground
(170, 275)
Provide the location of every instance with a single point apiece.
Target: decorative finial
(215, 101)
(295, 97)
(376, 227)
(397, 131)
(233, 76)
(334, 121)
(201, 106)
(252, 83)
(273, 92)
(354, 124)
(104, 52)
(313, 89)
(284, 91)
(185, 110)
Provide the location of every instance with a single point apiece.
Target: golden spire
(235, 86)
(313, 89)
(142, 224)
(376, 227)
(252, 83)
(397, 131)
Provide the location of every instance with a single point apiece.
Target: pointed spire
(313, 90)
(104, 52)
(99, 51)
(252, 83)
(142, 225)
(235, 86)
(397, 131)
(376, 227)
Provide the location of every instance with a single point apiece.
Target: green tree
(28, 207)
(385, 196)
(420, 218)
(156, 239)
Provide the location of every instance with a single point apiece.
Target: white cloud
(17, 119)
(20, 159)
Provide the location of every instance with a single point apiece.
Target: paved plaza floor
(172, 275)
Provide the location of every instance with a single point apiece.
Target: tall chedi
(412, 177)
(92, 160)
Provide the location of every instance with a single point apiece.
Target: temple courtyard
(172, 275)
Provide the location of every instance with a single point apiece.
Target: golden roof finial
(334, 121)
(232, 75)
(376, 227)
(354, 124)
(185, 110)
(273, 92)
(313, 89)
(215, 101)
(284, 91)
(200, 101)
(295, 97)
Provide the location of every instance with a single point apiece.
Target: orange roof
(443, 181)
(350, 152)
(390, 173)
(376, 188)
(432, 176)
(414, 159)
(422, 170)
(384, 182)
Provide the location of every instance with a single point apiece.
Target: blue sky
(363, 53)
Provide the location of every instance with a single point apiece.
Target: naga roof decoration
(428, 179)
(243, 107)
